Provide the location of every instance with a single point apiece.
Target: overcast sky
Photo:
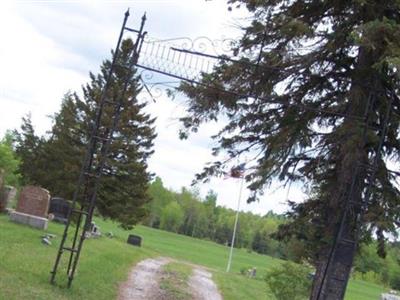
(48, 48)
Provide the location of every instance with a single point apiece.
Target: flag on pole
(236, 172)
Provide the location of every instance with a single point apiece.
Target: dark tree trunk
(338, 273)
(352, 157)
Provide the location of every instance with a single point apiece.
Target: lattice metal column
(352, 215)
(92, 167)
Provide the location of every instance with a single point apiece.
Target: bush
(289, 281)
(395, 280)
(8, 162)
(244, 270)
(369, 276)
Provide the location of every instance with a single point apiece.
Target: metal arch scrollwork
(183, 58)
(202, 44)
(153, 88)
(146, 75)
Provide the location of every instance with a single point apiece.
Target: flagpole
(235, 226)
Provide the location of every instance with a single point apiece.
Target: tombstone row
(35, 207)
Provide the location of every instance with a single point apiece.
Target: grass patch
(174, 281)
(361, 290)
(25, 264)
(237, 286)
(214, 256)
(233, 285)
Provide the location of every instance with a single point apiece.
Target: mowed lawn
(25, 264)
(215, 256)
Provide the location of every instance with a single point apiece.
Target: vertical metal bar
(78, 225)
(371, 178)
(152, 50)
(367, 192)
(338, 234)
(173, 55)
(86, 165)
(106, 146)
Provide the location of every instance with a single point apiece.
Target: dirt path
(202, 286)
(144, 279)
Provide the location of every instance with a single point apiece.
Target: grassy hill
(25, 264)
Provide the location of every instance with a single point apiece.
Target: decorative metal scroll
(183, 58)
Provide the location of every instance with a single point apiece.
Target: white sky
(48, 48)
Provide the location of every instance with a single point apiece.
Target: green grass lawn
(25, 264)
(215, 256)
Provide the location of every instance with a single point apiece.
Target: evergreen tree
(64, 150)
(29, 149)
(124, 182)
(125, 178)
(259, 243)
(307, 66)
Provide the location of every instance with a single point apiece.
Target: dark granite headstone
(60, 208)
(134, 240)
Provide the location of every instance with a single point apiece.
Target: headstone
(134, 240)
(94, 231)
(253, 272)
(8, 194)
(11, 192)
(390, 296)
(60, 209)
(34, 200)
(32, 207)
(3, 203)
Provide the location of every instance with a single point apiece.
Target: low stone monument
(60, 209)
(3, 203)
(8, 195)
(32, 207)
(252, 272)
(94, 231)
(134, 240)
(392, 295)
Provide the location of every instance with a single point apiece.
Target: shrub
(289, 281)
(244, 270)
(369, 276)
(395, 280)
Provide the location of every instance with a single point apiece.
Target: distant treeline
(185, 212)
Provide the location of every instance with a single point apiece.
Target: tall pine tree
(307, 66)
(125, 179)
(29, 149)
(124, 182)
(65, 148)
